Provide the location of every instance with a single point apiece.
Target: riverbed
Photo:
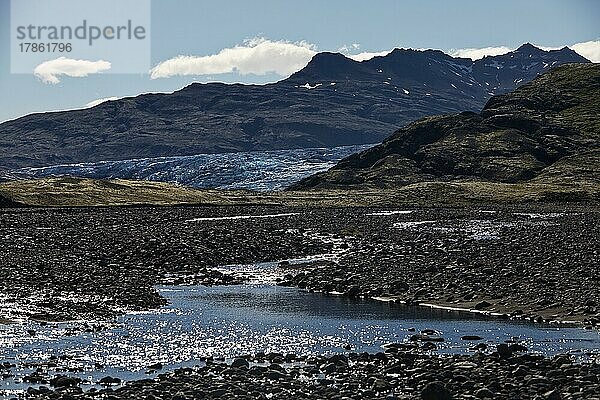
(230, 321)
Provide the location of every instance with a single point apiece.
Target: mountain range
(545, 132)
(333, 101)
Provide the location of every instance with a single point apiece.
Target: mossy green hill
(545, 133)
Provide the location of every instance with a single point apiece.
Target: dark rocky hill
(333, 101)
(547, 131)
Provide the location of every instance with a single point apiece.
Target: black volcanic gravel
(526, 264)
(60, 264)
(107, 260)
(543, 265)
(396, 374)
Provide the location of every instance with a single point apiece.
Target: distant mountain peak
(398, 52)
(326, 65)
(528, 48)
(327, 60)
(328, 57)
(567, 51)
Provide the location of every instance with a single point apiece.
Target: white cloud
(94, 103)
(49, 71)
(364, 56)
(257, 56)
(590, 50)
(347, 48)
(476, 54)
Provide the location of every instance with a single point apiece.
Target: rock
(484, 393)
(217, 393)
(428, 346)
(329, 368)
(517, 348)
(552, 395)
(43, 389)
(538, 380)
(381, 385)
(471, 337)
(277, 360)
(35, 377)
(353, 291)
(426, 338)
(276, 367)
(402, 365)
(339, 359)
(288, 277)
(62, 381)
(240, 363)
(503, 350)
(435, 391)
(482, 305)
(465, 365)
(257, 371)
(462, 378)
(109, 380)
(155, 367)
(521, 370)
(275, 375)
(32, 391)
(399, 287)
(274, 357)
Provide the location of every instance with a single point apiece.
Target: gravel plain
(539, 263)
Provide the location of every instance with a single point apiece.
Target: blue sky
(200, 28)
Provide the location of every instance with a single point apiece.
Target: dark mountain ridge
(547, 131)
(333, 101)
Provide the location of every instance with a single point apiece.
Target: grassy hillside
(75, 192)
(87, 192)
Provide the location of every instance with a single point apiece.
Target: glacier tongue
(255, 170)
